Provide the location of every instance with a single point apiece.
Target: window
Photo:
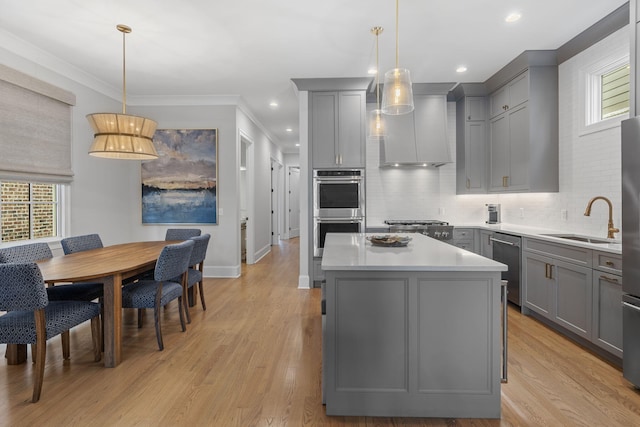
(615, 92)
(28, 210)
(605, 95)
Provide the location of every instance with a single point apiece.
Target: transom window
(28, 210)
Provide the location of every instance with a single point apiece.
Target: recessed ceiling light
(372, 70)
(513, 17)
(297, 145)
(461, 69)
(289, 130)
(273, 104)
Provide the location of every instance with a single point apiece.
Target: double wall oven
(338, 204)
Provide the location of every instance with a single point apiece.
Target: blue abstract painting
(179, 187)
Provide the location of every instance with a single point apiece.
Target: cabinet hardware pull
(550, 271)
(468, 183)
(610, 263)
(469, 118)
(337, 162)
(609, 279)
(546, 270)
(340, 158)
(502, 241)
(626, 304)
(505, 181)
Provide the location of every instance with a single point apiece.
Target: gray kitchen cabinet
(338, 129)
(471, 145)
(607, 302)
(485, 244)
(558, 284)
(464, 238)
(523, 133)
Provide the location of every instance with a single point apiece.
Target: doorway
(293, 202)
(246, 192)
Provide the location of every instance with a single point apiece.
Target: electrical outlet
(220, 211)
(521, 212)
(563, 214)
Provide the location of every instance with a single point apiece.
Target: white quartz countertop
(614, 246)
(352, 251)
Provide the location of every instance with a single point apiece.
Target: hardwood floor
(254, 359)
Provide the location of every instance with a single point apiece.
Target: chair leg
(185, 297)
(156, 316)
(140, 316)
(66, 352)
(204, 306)
(41, 352)
(182, 302)
(96, 337)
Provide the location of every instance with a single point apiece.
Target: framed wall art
(180, 186)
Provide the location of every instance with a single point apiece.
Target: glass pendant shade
(121, 136)
(376, 124)
(397, 93)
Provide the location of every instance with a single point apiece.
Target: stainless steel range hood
(419, 138)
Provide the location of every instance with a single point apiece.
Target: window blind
(35, 129)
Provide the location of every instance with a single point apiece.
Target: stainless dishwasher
(507, 250)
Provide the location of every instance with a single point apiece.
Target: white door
(294, 202)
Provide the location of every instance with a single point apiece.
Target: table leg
(16, 354)
(113, 321)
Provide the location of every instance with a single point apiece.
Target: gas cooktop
(440, 230)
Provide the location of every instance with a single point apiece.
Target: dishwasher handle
(493, 239)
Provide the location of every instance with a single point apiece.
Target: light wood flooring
(254, 359)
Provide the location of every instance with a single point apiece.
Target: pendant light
(122, 136)
(397, 95)
(376, 118)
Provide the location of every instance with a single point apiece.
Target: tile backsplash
(590, 165)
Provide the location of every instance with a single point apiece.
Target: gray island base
(410, 331)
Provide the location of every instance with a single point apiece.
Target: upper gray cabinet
(523, 133)
(471, 145)
(338, 129)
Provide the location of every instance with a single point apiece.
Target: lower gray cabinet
(464, 238)
(560, 291)
(607, 311)
(576, 288)
(486, 245)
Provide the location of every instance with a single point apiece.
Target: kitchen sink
(582, 238)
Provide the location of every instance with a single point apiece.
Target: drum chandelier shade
(397, 95)
(376, 118)
(122, 136)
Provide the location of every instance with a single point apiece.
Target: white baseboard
(262, 252)
(303, 282)
(222, 272)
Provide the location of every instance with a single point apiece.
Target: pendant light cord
(377, 71)
(124, 75)
(397, 44)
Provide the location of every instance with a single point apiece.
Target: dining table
(111, 264)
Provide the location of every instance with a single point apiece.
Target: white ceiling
(253, 48)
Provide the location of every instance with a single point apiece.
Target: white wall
(589, 166)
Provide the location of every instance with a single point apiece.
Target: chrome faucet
(610, 229)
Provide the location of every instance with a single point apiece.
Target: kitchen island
(410, 331)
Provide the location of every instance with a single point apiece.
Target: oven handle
(343, 220)
(493, 239)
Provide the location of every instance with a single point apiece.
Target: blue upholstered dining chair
(181, 233)
(173, 262)
(32, 252)
(80, 291)
(194, 273)
(32, 319)
(81, 243)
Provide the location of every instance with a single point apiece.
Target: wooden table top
(101, 262)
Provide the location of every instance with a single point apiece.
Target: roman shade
(35, 129)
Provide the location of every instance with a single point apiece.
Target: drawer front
(463, 234)
(573, 254)
(609, 262)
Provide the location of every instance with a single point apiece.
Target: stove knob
(436, 234)
(445, 234)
